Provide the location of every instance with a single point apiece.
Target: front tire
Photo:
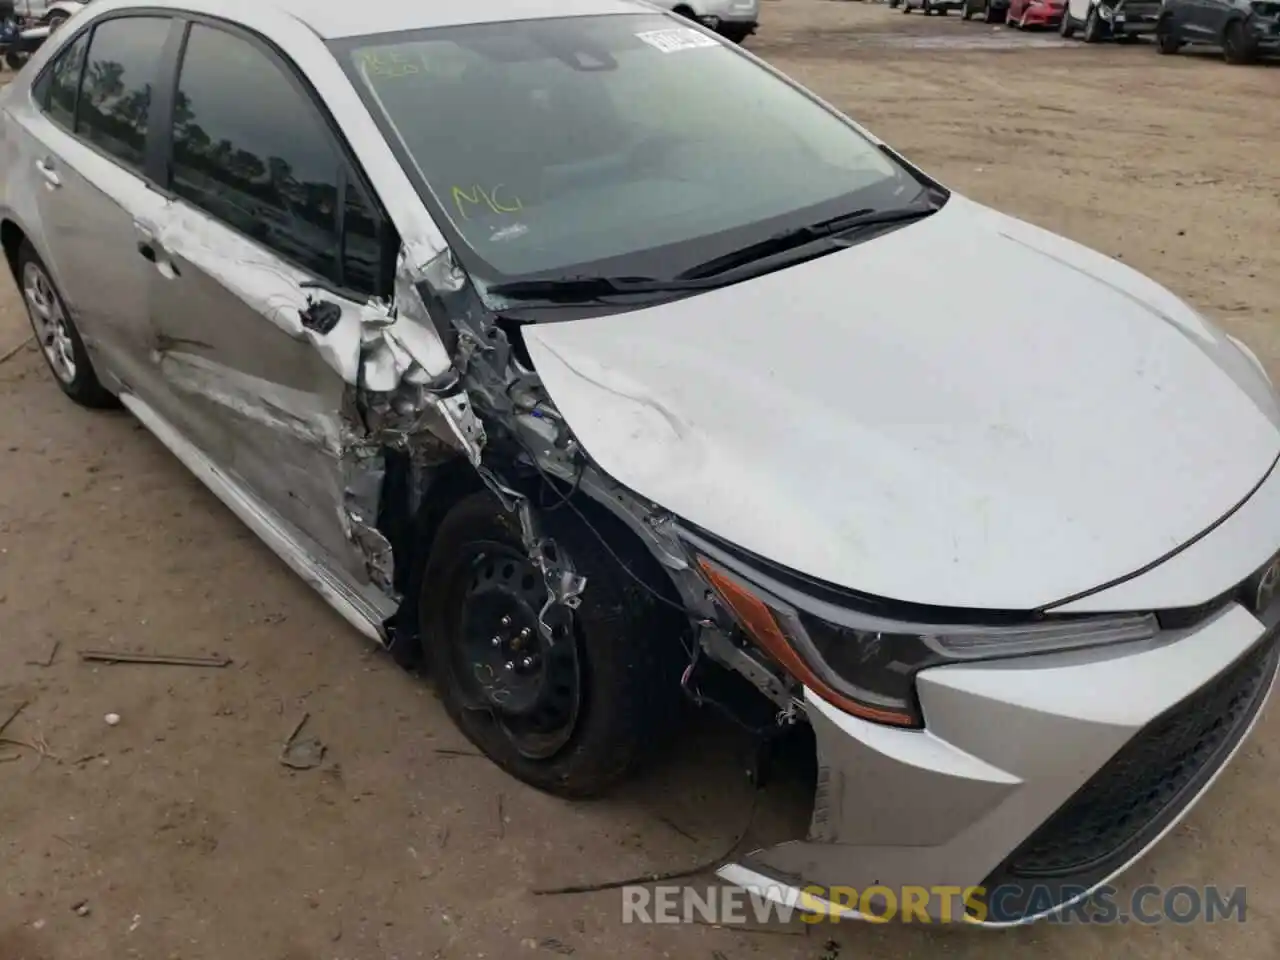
(1067, 28)
(1237, 46)
(573, 717)
(993, 15)
(56, 334)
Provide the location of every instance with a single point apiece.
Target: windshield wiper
(576, 289)
(832, 227)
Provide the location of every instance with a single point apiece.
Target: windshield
(628, 140)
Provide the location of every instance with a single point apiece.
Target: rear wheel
(1067, 27)
(56, 334)
(571, 716)
(1167, 41)
(1093, 27)
(967, 11)
(1237, 46)
(991, 14)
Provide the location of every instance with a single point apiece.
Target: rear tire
(617, 653)
(1067, 28)
(1093, 26)
(992, 15)
(1167, 41)
(967, 11)
(56, 334)
(1237, 46)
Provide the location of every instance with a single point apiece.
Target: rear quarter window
(119, 78)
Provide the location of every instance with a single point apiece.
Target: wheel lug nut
(506, 620)
(508, 666)
(527, 663)
(524, 633)
(496, 641)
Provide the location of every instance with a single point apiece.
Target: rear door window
(119, 78)
(63, 83)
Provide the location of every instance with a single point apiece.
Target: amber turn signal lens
(758, 620)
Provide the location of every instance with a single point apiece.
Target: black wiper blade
(809, 233)
(579, 288)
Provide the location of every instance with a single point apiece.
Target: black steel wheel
(570, 710)
(501, 660)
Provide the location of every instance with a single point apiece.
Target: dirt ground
(188, 839)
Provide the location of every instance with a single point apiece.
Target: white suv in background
(733, 19)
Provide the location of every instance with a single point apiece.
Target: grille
(1144, 786)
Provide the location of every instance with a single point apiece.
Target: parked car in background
(991, 11)
(1245, 29)
(1101, 20)
(589, 407)
(733, 19)
(932, 6)
(1034, 13)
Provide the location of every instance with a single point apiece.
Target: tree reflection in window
(248, 149)
(115, 94)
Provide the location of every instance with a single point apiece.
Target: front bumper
(1037, 779)
(1040, 14)
(1131, 22)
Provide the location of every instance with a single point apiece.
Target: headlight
(866, 665)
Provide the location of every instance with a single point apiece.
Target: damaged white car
(572, 347)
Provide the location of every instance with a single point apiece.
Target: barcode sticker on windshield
(678, 38)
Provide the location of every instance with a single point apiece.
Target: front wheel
(570, 716)
(993, 15)
(1237, 46)
(1067, 27)
(967, 11)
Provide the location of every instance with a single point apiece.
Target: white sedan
(568, 345)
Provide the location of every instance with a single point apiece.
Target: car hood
(967, 411)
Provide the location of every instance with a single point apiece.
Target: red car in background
(1035, 13)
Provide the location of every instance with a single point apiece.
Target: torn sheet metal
(267, 284)
(402, 391)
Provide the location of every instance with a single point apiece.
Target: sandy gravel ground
(188, 839)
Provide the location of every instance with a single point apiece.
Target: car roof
(349, 18)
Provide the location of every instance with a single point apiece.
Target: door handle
(51, 178)
(152, 252)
